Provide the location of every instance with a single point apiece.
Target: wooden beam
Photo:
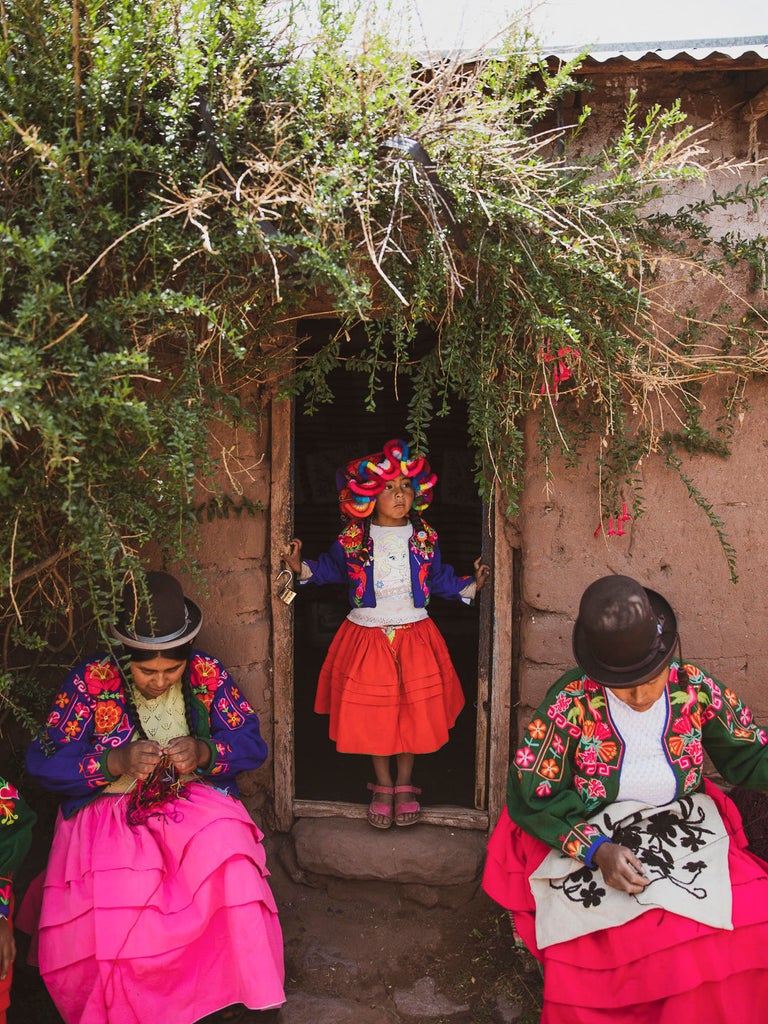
(281, 529)
(501, 667)
(757, 107)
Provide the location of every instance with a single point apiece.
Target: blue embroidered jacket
(90, 717)
(348, 561)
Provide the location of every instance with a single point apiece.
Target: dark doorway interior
(323, 442)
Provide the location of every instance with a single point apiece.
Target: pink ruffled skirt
(659, 968)
(166, 921)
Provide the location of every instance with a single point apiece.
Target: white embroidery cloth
(684, 849)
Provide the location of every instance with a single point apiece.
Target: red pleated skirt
(389, 696)
(657, 969)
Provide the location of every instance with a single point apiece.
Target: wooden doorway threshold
(452, 817)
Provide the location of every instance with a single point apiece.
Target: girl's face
(394, 503)
(154, 677)
(641, 698)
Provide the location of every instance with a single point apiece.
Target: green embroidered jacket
(568, 766)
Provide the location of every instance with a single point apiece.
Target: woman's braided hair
(181, 653)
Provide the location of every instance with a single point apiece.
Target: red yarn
(153, 795)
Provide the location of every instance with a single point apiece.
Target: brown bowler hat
(159, 620)
(624, 633)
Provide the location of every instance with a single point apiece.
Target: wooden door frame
(494, 682)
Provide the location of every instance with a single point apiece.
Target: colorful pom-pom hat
(362, 481)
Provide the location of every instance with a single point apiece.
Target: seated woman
(155, 904)
(626, 873)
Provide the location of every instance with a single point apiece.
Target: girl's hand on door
(291, 555)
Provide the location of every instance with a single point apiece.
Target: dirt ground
(361, 953)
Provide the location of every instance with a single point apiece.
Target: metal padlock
(286, 593)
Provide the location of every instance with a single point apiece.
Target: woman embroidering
(626, 873)
(156, 877)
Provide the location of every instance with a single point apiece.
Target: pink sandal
(409, 807)
(378, 808)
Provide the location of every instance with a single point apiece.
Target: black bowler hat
(160, 619)
(624, 633)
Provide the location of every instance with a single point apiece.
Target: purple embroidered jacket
(90, 717)
(349, 562)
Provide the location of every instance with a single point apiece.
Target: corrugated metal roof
(694, 49)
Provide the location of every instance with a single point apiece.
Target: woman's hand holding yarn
(137, 759)
(187, 754)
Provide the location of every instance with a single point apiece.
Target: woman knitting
(627, 873)
(155, 904)
(388, 682)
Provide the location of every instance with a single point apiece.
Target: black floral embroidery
(659, 840)
(581, 887)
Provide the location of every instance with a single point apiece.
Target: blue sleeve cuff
(593, 849)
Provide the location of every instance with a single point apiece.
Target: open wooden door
(463, 783)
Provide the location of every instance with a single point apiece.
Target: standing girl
(388, 682)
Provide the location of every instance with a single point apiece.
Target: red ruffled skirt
(389, 696)
(166, 921)
(657, 969)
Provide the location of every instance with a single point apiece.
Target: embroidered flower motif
(524, 757)
(53, 719)
(586, 758)
(205, 678)
(549, 768)
(351, 537)
(543, 789)
(595, 789)
(561, 704)
(8, 809)
(107, 716)
(575, 848)
(62, 699)
(537, 729)
(8, 791)
(91, 766)
(424, 541)
(691, 780)
(101, 677)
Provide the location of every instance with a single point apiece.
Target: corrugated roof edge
(667, 49)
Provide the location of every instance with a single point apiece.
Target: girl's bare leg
(383, 773)
(404, 778)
